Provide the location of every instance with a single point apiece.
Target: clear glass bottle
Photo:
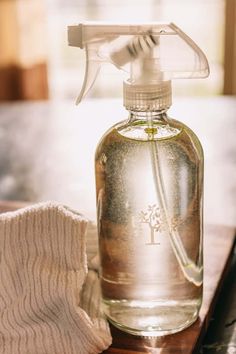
(149, 179)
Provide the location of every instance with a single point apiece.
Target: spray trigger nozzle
(153, 52)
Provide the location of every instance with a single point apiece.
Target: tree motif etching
(153, 218)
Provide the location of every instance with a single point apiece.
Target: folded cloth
(49, 300)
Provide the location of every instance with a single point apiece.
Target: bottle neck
(150, 116)
(148, 126)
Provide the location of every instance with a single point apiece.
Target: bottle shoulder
(142, 131)
(191, 136)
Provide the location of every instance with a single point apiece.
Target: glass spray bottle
(149, 180)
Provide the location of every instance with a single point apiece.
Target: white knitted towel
(49, 300)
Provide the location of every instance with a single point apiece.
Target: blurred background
(36, 63)
(47, 144)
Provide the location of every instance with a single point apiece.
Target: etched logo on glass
(154, 219)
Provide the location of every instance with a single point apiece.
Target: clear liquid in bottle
(144, 286)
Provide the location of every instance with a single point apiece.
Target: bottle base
(152, 319)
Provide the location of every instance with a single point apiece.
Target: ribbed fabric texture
(49, 300)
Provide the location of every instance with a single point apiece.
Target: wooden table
(218, 249)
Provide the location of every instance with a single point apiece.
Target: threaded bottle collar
(147, 97)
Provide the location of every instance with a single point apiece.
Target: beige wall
(22, 32)
(23, 50)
